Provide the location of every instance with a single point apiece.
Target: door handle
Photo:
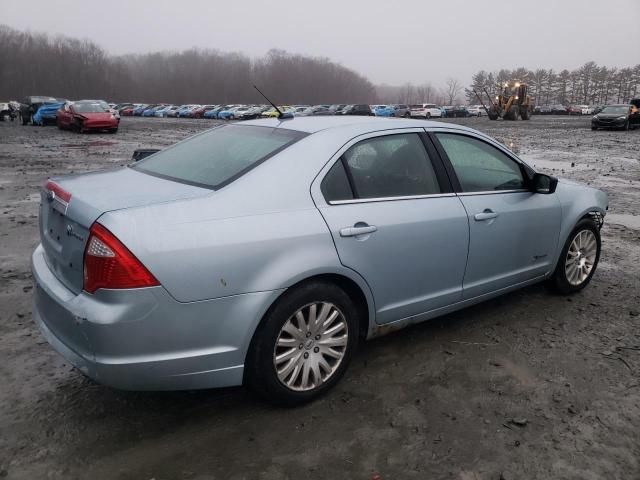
(487, 214)
(357, 230)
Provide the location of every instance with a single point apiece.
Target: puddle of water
(626, 220)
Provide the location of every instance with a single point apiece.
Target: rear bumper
(143, 339)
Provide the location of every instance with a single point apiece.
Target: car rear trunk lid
(70, 205)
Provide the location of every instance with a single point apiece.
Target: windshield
(620, 109)
(88, 108)
(216, 158)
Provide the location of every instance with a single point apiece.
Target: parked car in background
(213, 113)
(139, 109)
(46, 114)
(128, 111)
(252, 112)
(542, 110)
(5, 111)
(299, 110)
(321, 110)
(588, 109)
(360, 109)
(30, 106)
(164, 111)
(272, 113)
(186, 111)
(476, 110)
(174, 113)
(382, 110)
(559, 110)
(425, 110)
(456, 111)
(121, 106)
(151, 111)
(575, 109)
(199, 111)
(124, 284)
(228, 112)
(618, 116)
(86, 115)
(337, 108)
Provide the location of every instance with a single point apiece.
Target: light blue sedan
(262, 253)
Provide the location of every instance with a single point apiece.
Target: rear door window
(216, 158)
(390, 166)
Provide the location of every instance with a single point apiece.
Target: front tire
(303, 345)
(578, 260)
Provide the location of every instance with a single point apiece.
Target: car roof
(365, 124)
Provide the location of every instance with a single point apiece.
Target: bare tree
(452, 90)
(59, 66)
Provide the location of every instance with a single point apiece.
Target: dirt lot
(528, 386)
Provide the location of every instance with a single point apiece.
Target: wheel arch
(352, 284)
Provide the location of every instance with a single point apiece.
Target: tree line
(590, 84)
(59, 66)
(40, 64)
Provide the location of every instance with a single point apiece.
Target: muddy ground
(527, 386)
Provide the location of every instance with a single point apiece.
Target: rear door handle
(487, 214)
(355, 231)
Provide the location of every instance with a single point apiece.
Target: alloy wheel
(310, 346)
(581, 257)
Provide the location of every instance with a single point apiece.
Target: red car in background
(199, 112)
(86, 115)
(127, 111)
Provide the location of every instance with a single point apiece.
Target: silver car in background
(261, 253)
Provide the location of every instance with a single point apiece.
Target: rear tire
(286, 383)
(493, 113)
(566, 279)
(113, 130)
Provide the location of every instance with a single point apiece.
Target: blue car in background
(228, 112)
(139, 109)
(151, 112)
(185, 111)
(383, 110)
(47, 113)
(213, 113)
(166, 110)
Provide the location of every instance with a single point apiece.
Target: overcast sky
(388, 41)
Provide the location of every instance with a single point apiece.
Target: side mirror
(545, 184)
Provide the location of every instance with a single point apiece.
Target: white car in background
(475, 110)
(425, 110)
(588, 109)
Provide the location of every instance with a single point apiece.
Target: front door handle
(487, 214)
(358, 229)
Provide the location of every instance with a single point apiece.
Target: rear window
(218, 157)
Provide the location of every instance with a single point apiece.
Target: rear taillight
(109, 264)
(57, 191)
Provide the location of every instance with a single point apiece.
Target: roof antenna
(281, 115)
